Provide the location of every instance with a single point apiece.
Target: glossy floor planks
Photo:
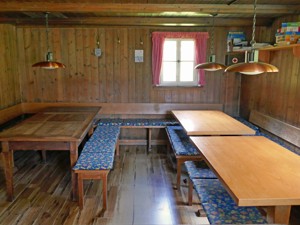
(140, 192)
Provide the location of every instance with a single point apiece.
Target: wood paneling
(9, 81)
(275, 94)
(114, 77)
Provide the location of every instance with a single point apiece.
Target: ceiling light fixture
(49, 63)
(251, 66)
(211, 65)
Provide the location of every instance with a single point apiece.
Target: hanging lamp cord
(253, 26)
(212, 40)
(47, 31)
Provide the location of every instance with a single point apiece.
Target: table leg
(279, 214)
(73, 160)
(149, 139)
(8, 170)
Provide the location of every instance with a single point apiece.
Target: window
(178, 63)
(174, 55)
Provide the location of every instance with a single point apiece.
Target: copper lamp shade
(252, 68)
(49, 63)
(211, 65)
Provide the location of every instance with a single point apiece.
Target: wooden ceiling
(144, 12)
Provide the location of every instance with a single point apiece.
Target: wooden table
(207, 122)
(255, 171)
(61, 128)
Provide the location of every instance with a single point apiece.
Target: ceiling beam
(33, 6)
(140, 21)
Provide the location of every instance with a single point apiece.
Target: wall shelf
(264, 53)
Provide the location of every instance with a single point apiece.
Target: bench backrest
(281, 129)
(128, 108)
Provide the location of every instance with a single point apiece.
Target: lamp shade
(252, 68)
(211, 65)
(49, 63)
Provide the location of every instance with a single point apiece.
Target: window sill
(166, 86)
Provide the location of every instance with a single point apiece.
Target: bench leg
(179, 163)
(89, 174)
(118, 148)
(80, 191)
(44, 156)
(104, 191)
(190, 192)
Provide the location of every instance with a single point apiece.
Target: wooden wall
(278, 94)
(9, 80)
(114, 77)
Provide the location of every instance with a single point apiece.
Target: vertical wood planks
(113, 77)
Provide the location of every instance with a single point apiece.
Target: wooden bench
(197, 170)
(138, 123)
(97, 156)
(220, 207)
(96, 159)
(182, 147)
(282, 133)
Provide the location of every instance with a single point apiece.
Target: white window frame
(178, 82)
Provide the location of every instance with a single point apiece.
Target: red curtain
(158, 39)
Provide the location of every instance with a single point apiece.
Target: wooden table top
(208, 122)
(253, 169)
(54, 124)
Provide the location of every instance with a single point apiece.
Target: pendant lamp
(251, 66)
(211, 65)
(48, 63)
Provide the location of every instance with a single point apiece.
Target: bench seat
(97, 159)
(182, 147)
(138, 122)
(197, 170)
(220, 207)
(180, 141)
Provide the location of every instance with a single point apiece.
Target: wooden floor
(140, 192)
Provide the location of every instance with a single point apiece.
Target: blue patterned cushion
(185, 147)
(104, 132)
(180, 142)
(247, 123)
(220, 207)
(137, 122)
(95, 161)
(176, 133)
(209, 190)
(222, 213)
(110, 122)
(98, 146)
(163, 122)
(198, 170)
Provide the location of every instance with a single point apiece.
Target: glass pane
(169, 51)
(169, 71)
(186, 71)
(187, 50)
